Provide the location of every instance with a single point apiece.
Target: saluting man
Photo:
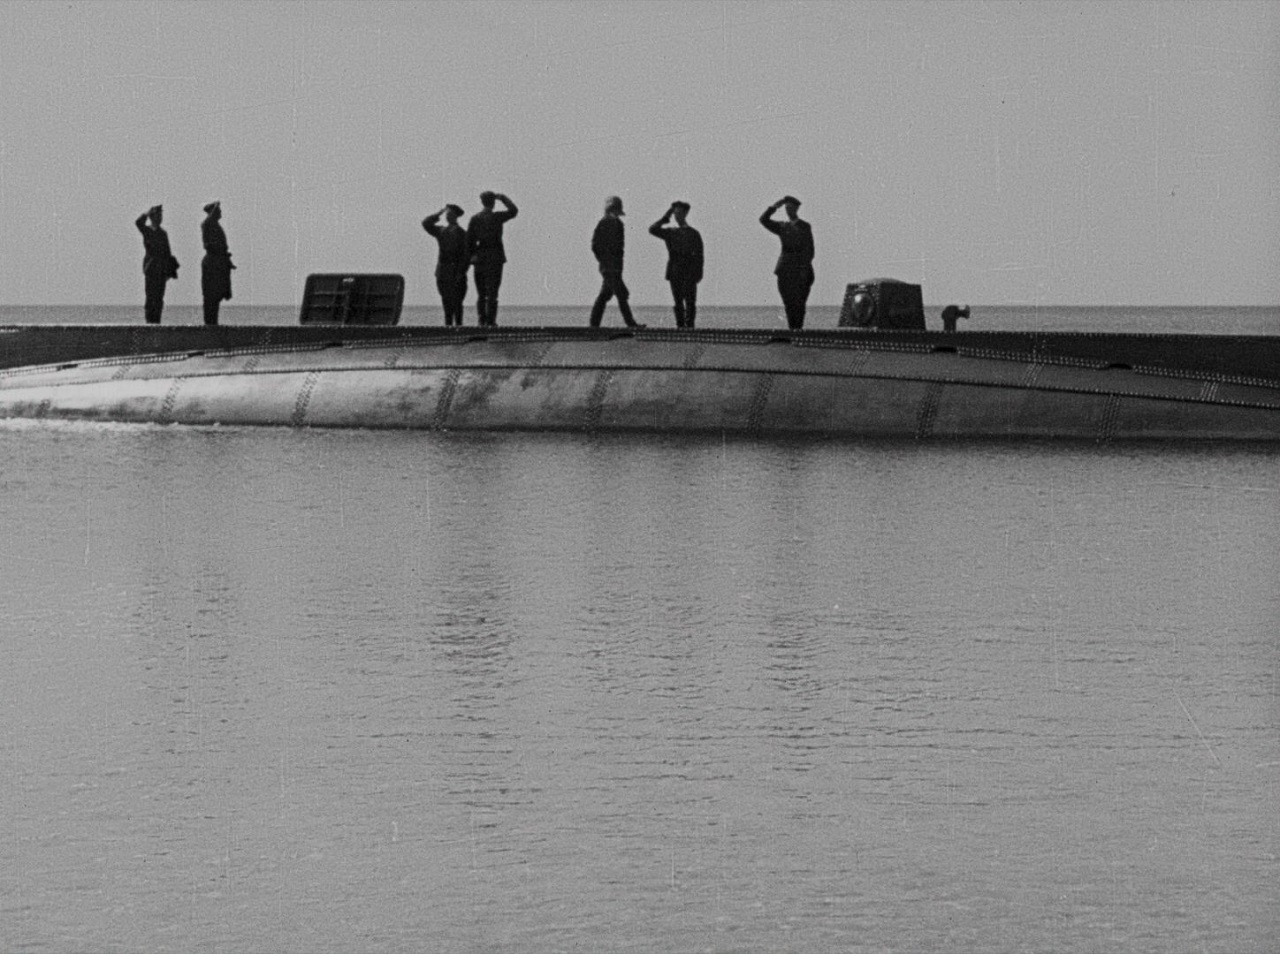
(795, 265)
(158, 263)
(451, 264)
(484, 242)
(684, 261)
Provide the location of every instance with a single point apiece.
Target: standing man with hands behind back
(216, 266)
(795, 264)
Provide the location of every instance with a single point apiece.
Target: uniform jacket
(157, 259)
(453, 244)
(797, 245)
(484, 236)
(608, 243)
(684, 251)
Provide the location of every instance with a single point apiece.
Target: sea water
(297, 690)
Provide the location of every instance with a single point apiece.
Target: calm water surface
(277, 690)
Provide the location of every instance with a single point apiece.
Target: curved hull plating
(691, 383)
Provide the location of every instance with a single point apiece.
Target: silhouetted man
(484, 247)
(607, 244)
(215, 268)
(451, 265)
(158, 263)
(795, 265)
(684, 261)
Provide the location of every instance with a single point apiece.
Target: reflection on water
(308, 691)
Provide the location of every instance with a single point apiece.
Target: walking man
(158, 263)
(486, 253)
(684, 261)
(215, 268)
(795, 265)
(451, 265)
(607, 244)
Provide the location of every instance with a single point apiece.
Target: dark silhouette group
(479, 247)
(159, 265)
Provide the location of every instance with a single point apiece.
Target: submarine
(879, 374)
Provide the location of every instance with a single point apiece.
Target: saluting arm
(766, 218)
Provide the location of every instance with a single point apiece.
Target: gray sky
(997, 153)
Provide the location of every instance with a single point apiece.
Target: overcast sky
(997, 153)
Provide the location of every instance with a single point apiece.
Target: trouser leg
(794, 289)
(612, 286)
(618, 288)
(785, 292)
(452, 288)
(495, 282)
(482, 295)
(690, 303)
(446, 298)
(459, 296)
(211, 310)
(802, 300)
(154, 306)
(488, 280)
(624, 303)
(602, 299)
(795, 312)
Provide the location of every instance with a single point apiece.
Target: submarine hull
(701, 382)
